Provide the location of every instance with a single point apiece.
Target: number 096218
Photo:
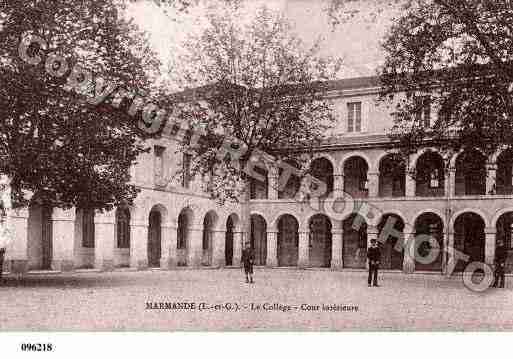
(37, 347)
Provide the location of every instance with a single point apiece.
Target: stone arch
(287, 240)
(392, 256)
(371, 165)
(156, 218)
(429, 173)
(470, 175)
(468, 210)
(498, 214)
(323, 169)
(415, 157)
(392, 175)
(185, 226)
(233, 226)
(210, 226)
(356, 170)
(354, 249)
(504, 174)
(258, 237)
(427, 257)
(469, 237)
(430, 210)
(454, 157)
(503, 224)
(320, 240)
(274, 222)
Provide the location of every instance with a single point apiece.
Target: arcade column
(238, 238)
(272, 186)
(63, 241)
(337, 243)
(409, 252)
(373, 178)
(218, 249)
(195, 246)
(104, 240)
(16, 252)
(139, 244)
(449, 264)
(410, 183)
(303, 248)
(168, 257)
(491, 178)
(450, 182)
(272, 249)
(490, 242)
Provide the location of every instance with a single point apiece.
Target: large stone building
(176, 225)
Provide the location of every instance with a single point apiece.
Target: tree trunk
(246, 216)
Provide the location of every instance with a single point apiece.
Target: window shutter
(365, 116)
(350, 117)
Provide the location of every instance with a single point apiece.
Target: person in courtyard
(374, 256)
(500, 263)
(247, 262)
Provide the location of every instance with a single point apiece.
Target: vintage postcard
(255, 165)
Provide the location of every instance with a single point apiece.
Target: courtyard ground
(117, 301)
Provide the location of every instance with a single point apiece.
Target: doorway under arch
(288, 241)
(320, 240)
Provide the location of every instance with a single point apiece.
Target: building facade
(174, 224)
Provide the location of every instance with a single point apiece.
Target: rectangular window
(354, 117)
(88, 228)
(159, 161)
(186, 170)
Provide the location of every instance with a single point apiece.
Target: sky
(356, 41)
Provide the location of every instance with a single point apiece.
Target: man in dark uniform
(374, 256)
(247, 262)
(500, 263)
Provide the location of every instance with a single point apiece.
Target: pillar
(195, 246)
(218, 249)
(272, 249)
(490, 242)
(63, 241)
(373, 178)
(139, 244)
(337, 243)
(238, 238)
(104, 240)
(338, 182)
(491, 178)
(450, 182)
(168, 258)
(449, 264)
(272, 183)
(16, 252)
(304, 248)
(409, 252)
(410, 183)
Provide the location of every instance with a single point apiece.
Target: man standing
(500, 263)
(374, 256)
(247, 261)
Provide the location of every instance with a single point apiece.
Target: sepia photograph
(255, 166)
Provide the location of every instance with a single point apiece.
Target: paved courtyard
(117, 301)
